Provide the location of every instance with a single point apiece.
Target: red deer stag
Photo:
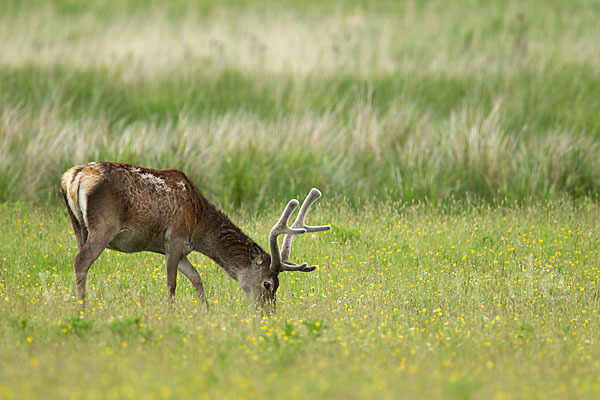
(130, 209)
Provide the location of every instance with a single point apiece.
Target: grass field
(456, 145)
(407, 302)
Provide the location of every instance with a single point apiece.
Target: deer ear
(256, 255)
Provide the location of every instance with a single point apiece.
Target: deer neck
(226, 244)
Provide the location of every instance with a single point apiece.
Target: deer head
(272, 265)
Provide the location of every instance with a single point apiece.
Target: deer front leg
(187, 269)
(172, 259)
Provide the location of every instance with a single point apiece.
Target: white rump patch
(77, 186)
(82, 196)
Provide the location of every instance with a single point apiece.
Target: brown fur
(129, 208)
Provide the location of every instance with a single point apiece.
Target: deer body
(128, 208)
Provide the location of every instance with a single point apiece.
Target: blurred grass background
(259, 101)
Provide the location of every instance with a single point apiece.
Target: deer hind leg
(187, 269)
(96, 242)
(172, 259)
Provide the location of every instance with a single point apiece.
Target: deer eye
(267, 285)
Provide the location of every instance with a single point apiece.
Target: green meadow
(407, 302)
(456, 146)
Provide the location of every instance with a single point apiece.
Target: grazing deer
(130, 209)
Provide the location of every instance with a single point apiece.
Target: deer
(130, 209)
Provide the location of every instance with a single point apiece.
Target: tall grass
(237, 158)
(407, 100)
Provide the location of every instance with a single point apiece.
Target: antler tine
(287, 266)
(279, 228)
(286, 249)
